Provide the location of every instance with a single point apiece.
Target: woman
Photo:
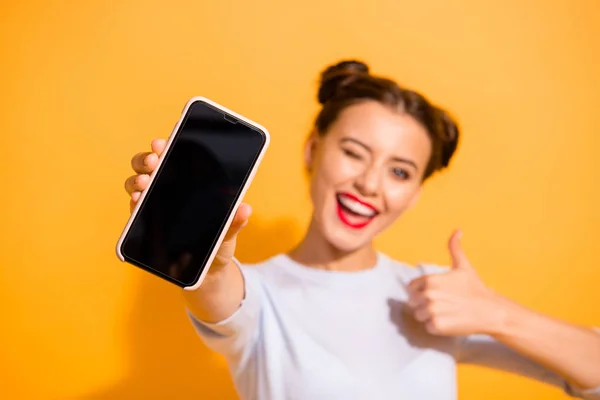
(336, 319)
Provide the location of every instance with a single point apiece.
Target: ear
(310, 150)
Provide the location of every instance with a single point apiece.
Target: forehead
(380, 125)
(384, 130)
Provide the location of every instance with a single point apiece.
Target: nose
(369, 182)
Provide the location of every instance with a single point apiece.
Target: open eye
(400, 173)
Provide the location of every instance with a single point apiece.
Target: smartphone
(182, 216)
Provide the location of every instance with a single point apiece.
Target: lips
(354, 212)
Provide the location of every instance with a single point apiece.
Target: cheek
(399, 196)
(331, 174)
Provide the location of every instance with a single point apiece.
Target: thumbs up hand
(456, 302)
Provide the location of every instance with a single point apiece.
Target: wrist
(496, 314)
(217, 274)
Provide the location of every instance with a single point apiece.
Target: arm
(216, 306)
(570, 351)
(231, 328)
(219, 296)
(519, 340)
(224, 309)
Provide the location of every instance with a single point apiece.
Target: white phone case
(251, 175)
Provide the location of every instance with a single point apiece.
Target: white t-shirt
(308, 334)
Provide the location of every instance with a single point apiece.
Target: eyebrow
(367, 148)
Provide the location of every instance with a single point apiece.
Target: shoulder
(408, 272)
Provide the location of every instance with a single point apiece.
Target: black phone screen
(193, 194)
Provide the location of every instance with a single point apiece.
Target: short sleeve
(590, 394)
(587, 394)
(483, 350)
(235, 336)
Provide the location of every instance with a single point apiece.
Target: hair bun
(338, 76)
(450, 136)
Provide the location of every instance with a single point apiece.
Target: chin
(345, 238)
(343, 243)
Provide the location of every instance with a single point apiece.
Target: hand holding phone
(144, 164)
(186, 197)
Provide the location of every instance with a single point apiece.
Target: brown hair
(350, 82)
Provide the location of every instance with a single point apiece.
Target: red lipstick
(354, 212)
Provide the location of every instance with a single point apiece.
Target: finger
(434, 326)
(135, 196)
(144, 163)
(422, 314)
(416, 285)
(158, 146)
(239, 221)
(136, 183)
(422, 283)
(417, 300)
(459, 259)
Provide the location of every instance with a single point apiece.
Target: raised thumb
(459, 258)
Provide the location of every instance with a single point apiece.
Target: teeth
(356, 207)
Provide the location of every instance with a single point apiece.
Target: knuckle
(437, 324)
(433, 326)
(412, 301)
(432, 307)
(137, 162)
(141, 181)
(428, 294)
(134, 160)
(420, 315)
(425, 284)
(432, 282)
(128, 183)
(411, 288)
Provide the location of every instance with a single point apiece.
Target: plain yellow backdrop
(85, 85)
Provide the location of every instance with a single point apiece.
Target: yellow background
(85, 85)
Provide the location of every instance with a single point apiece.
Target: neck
(315, 251)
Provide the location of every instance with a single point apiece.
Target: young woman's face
(365, 172)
